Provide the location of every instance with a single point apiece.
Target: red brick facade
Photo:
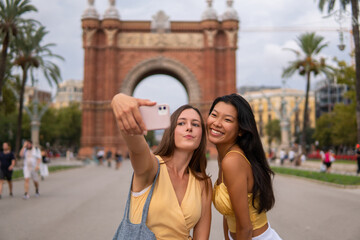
(120, 54)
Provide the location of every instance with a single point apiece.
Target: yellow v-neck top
(222, 203)
(166, 218)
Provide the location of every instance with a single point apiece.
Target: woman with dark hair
(181, 198)
(243, 192)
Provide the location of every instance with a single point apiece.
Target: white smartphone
(156, 117)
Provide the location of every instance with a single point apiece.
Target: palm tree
(356, 36)
(30, 56)
(306, 63)
(10, 22)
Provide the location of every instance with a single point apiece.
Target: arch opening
(161, 65)
(162, 88)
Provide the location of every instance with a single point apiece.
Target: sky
(261, 57)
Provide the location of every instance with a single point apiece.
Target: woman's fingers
(145, 102)
(137, 114)
(128, 117)
(130, 121)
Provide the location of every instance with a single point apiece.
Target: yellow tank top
(166, 218)
(222, 203)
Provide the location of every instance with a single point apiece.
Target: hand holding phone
(156, 117)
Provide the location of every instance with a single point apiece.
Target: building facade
(29, 95)
(70, 91)
(286, 105)
(329, 93)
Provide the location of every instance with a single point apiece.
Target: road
(88, 203)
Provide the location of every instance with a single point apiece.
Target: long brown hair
(166, 148)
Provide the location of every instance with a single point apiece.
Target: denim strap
(147, 202)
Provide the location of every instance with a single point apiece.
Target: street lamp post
(35, 115)
(284, 116)
(35, 119)
(340, 16)
(284, 123)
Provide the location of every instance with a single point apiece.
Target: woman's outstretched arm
(132, 128)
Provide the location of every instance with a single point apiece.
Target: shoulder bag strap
(147, 203)
(148, 199)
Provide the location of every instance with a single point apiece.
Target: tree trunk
(355, 27)
(3, 62)
(305, 118)
(21, 106)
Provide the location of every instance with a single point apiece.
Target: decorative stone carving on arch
(183, 74)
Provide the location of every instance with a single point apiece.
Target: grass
(19, 172)
(325, 177)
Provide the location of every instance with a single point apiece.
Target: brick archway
(119, 54)
(166, 66)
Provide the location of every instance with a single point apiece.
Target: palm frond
(331, 4)
(297, 53)
(37, 56)
(290, 70)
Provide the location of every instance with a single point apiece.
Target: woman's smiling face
(222, 124)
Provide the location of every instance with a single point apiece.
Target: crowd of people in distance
(294, 155)
(108, 157)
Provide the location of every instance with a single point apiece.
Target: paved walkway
(88, 203)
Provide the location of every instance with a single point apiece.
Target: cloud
(260, 57)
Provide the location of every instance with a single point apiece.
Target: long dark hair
(250, 143)
(198, 160)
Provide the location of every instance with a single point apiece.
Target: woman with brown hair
(181, 198)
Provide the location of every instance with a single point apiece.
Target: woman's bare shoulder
(234, 162)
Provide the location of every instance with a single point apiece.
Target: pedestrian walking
(243, 192)
(303, 158)
(181, 195)
(291, 155)
(108, 157)
(118, 158)
(7, 164)
(328, 160)
(44, 170)
(282, 156)
(100, 156)
(322, 155)
(32, 160)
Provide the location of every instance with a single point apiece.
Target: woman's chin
(214, 140)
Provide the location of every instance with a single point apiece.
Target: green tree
(344, 124)
(48, 127)
(8, 127)
(337, 128)
(306, 64)
(323, 130)
(31, 54)
(69, 126)
(355, 31)
(8, 105)
(346, 75)
(11, 12)
(150, 138)
(273, 131)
